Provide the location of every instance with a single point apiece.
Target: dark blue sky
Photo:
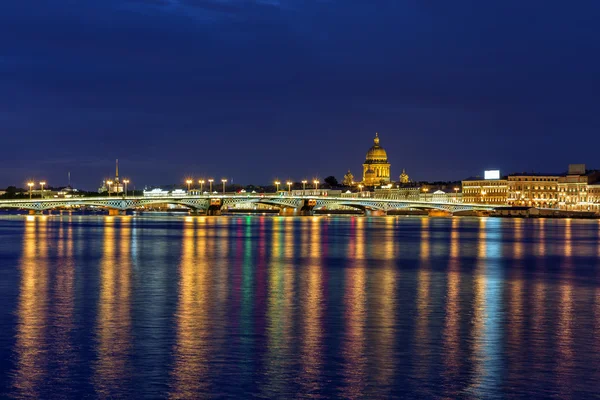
(258, 89)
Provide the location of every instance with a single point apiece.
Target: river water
(283, 307)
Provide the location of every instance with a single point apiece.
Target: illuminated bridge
(213, 204)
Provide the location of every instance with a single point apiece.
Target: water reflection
(354, 367)
(381, 298)
(564, 328)
(487, 316)
(279, 312)
(422, 324)
(312, 309)
(307, 307)
(539, 327)
(65, 356)
(452, 337)
(515, 308)
(31, 338)
(189, 376)
(114, 310)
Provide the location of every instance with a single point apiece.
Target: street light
(201, 182)
(277, 183)
(125, 182)
(456, 195)
(224, 182)
(189, 183)
(304, 182)
(316, 182)
(109, 183)
(42, 184)
(360, 188)
(30, 184)
(289, 187)
(210, 181)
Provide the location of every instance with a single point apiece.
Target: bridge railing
(354, 198)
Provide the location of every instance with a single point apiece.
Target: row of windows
(478, 191)
(534, 179)
(535, 188)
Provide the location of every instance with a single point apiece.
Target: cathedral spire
(117, 170)
(376, 140)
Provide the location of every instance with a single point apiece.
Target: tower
(376, 168)
(348, 179)
(404, 178)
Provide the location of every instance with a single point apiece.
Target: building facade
(411, 193)
(348, 179)
(577, 191)
(533, 190)
(376, 168)
(485, 191)
(594, 197)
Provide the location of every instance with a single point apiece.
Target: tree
(331, 181)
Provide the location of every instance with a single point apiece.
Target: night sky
(258, 89)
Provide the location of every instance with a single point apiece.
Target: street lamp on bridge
(189, 184)
(277, 183)
(224, 182)
(109, 183)
(201, 182)
(30, 184)
(456, 195)
(210, 181)
(125, 182)
(316, 182)
(289, 183)
(42, 184)
(360, 188)
(304, 182)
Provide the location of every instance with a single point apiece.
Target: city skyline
(256, 90)
(375, 154)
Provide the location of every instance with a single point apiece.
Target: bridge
(214, 204)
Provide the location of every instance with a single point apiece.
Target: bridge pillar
(375, 213)
(308, 208)
(35, 212)
(214, 208)
(439, 213)
(115, 212)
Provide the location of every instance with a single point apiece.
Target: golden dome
(376, 153)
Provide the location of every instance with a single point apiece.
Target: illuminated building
(404, 178)
(348, 179)
(376, 168)
(112, 186)
(539, 190)
(574, 189)
(412, 193)
(594, 197)
(490, 190)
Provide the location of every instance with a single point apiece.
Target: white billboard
(492, 174)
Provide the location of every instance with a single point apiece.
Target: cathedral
(376, 168)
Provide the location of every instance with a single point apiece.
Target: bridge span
(214, 204)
